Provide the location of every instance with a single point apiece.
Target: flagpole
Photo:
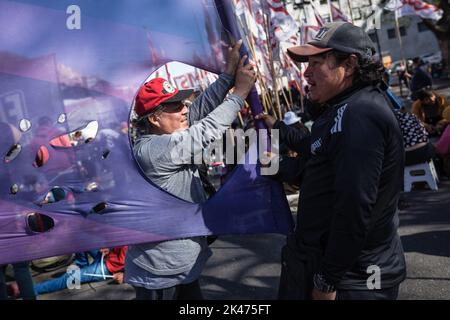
(330, 12)
(350, 9)
(241, 121)
(226, 15)
(272, 67)
(288, 105)
(376, 33)
(290, 95)
(169, 77)
(379, 45)
(302, 103)
(263, 88)
(397, 27)
(262, 85)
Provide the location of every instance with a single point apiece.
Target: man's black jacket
(347, 213)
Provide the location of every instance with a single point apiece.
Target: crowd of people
(349, 169)
(413, 76)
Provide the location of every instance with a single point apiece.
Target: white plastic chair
(424, 172)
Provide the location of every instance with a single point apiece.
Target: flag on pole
(250, 14)
(284, 31)
(374, 20)
(338, 15)
(415, 7)
(311, 23)
(319, 20)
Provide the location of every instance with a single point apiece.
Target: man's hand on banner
(233, 58)
(268, 119)
(245, 78)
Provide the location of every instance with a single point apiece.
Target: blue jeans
(23, 278)
(81, 260)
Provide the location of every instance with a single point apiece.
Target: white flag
(373, 21)
(415, 7)
(338, 15)
(282, 26)
(251, 16)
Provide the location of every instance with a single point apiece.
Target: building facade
(416, 39)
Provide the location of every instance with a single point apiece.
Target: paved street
(425, 233)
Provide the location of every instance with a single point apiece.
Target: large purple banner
(69, 71)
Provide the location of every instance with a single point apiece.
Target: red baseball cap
(156, 92)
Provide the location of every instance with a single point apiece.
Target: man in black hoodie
(345, 244)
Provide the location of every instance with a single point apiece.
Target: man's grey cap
(340, 36)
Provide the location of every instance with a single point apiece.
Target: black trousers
(382, 294)
(190, 291)
(298, 264)
(421, 155)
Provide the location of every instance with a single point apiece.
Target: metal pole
(376, 36)
(329, 10)
(350, 9)
(397, 28)
(378, 45)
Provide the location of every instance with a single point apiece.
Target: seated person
(443, 150)
(111, 266)
(432, 110)
(418, 148)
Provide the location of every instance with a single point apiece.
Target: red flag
(338, 15)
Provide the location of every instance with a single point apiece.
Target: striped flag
(415, 7)
(319, 20)
(283, 28)
(338, 15)
(251, 16)
(311, 23)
